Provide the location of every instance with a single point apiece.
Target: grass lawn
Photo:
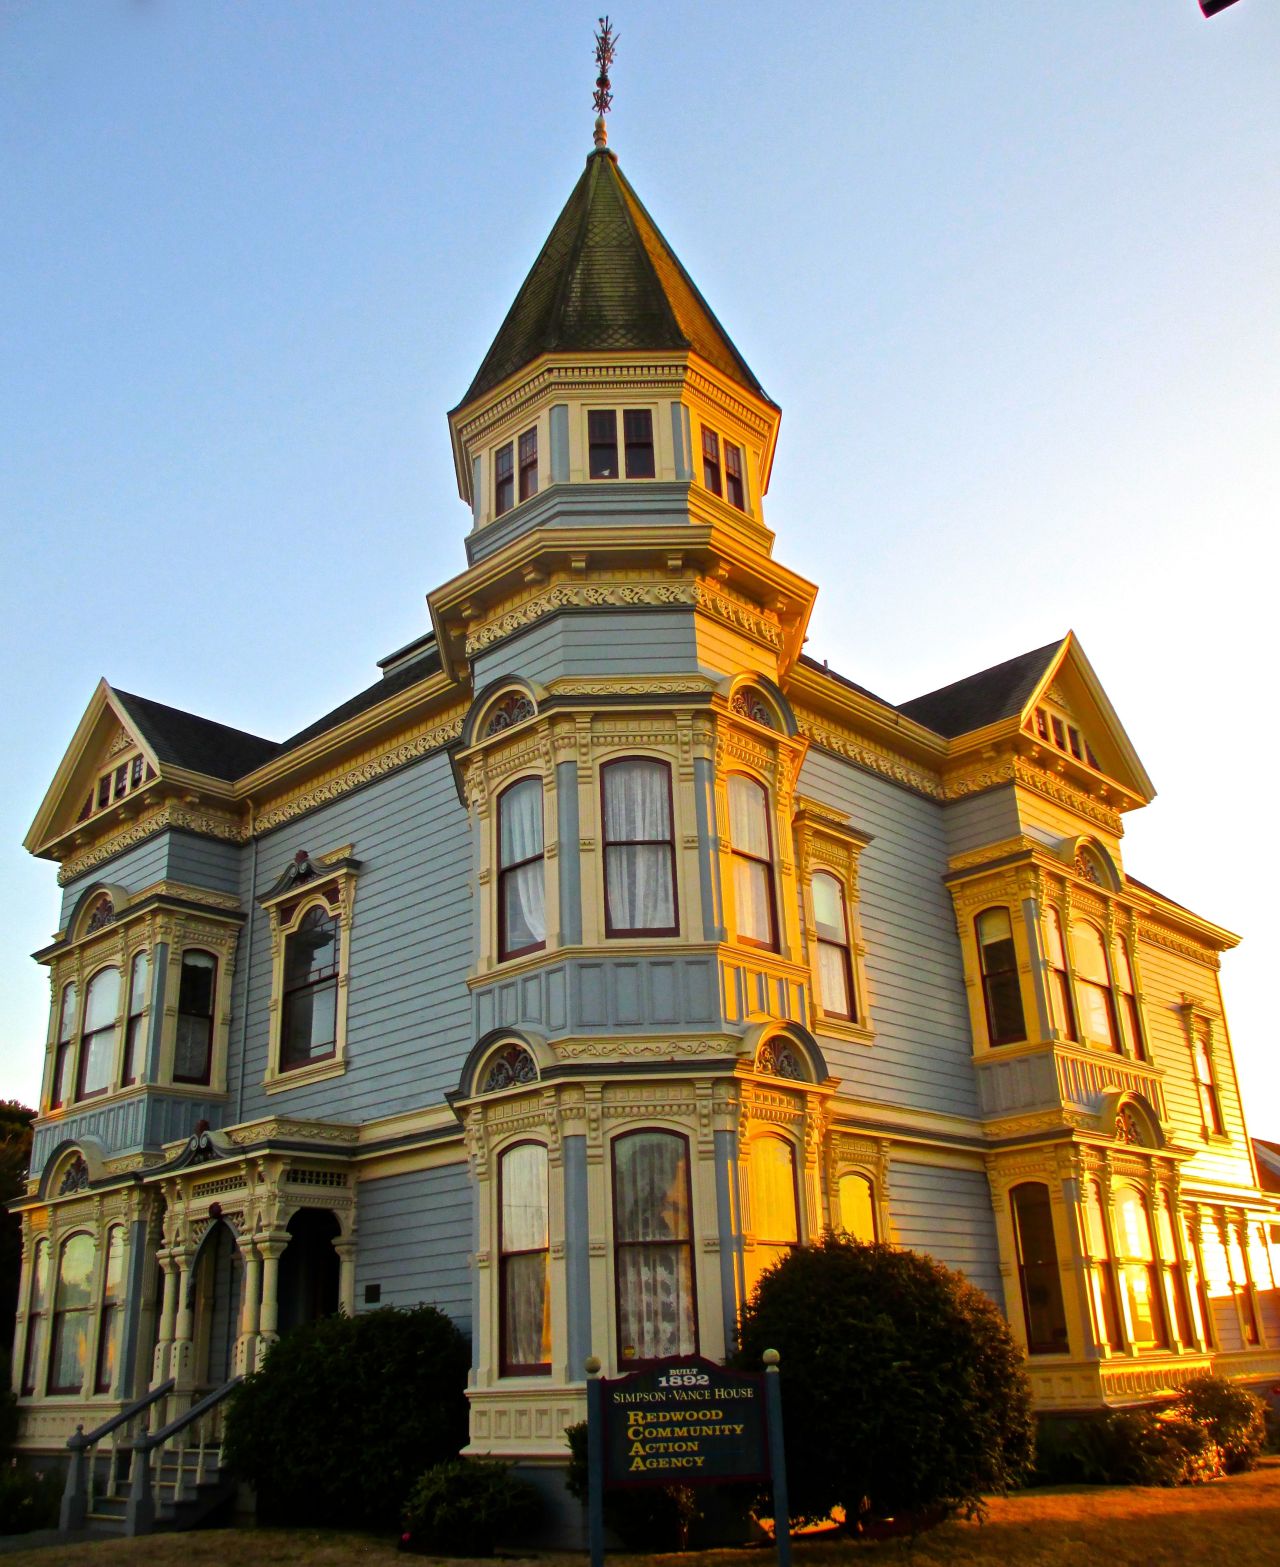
(1229, 1523)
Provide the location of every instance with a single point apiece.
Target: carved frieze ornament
(508, 1069)
(750, 704)
(75, 1178)
(101, 914)
(776, 1058)
(1128, 1129)
(513, 709)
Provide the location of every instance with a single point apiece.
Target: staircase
(147, 1481)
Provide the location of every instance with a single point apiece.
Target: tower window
(1001, 986)
(528, 464)
(1042, 1307)
(193, 1047)
(711, 461)
(503, 479)
(734, 489)
(637, 431)
(602, 443)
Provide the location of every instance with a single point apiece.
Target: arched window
(309, 1018)
(523, 1246)
(522, 895)
(72, 1315)
(653, 1246)
(835, 965)
(37, 1317)
(639, 848)
(752, 845)
(1206, 1086)
(775, 1205)
(1102, 1284)
(60, 1088)
(1093, 986)
(135, 1034)
(1064, 1015)
(98, 1033)
(1042, 1308)
(1175, 1275)
(1130, 1018)
(109, 1310)
(1138, 1270)
(1001, 987)
(856, 1200)
(193, 1047)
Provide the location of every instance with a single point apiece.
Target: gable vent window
(1057, 730)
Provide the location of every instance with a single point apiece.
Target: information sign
(684, 1422)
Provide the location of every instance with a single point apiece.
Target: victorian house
(606, 947)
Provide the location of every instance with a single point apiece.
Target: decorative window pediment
(511, 1066)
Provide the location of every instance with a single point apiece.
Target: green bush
(346, 1412)
(8, 1415)
(464, 1508)
(1234, 1419)
(648, 1518)
(1152, 1447)
(28, 1500)
(903, 1393)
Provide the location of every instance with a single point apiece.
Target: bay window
(524, 1332)
(1060, 1007)
(193, 1043)
(835, 966)
(522, 898)
(98, 1034)
(1138, 1271)
(1093, 986)
(37, 1318)
(775, 1207)
(135, 1038)
(1041, 1282)
(639, 848)
(653, 1246)
(64, 1050)
(109, 1310)
(1130, 1017)
(72, 1315)
(1102, 1285)
(752, 850)
(1175, 1275)
(1001, 986)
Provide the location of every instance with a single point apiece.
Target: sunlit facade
(607, 948)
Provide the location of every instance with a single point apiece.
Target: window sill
(843, 1028)
(299, 1076)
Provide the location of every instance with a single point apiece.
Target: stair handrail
(140, 1510)
(77, 1492)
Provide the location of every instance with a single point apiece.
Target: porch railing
(82, 1471)
(188, 1442)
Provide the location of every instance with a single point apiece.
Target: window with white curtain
(98, 1033)
(1138, 1270)
(835, 966)
(1094, 999)
(775, 1206)
(522, 894)
(856, 1200)
(37, 1318)
(653, 1246)
(135, 1034)
(109, 1310)
(72, 1315)
(60, 1087)
(752, 846)
(523, 1247)
(639, 848)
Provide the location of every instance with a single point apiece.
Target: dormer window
(1057, 730)
(602, 443)
(115, 784)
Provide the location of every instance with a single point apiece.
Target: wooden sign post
(685, 1421)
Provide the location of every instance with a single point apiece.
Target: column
(168, 1316)
(271, 1248)
(247, 1358)
(345, 1246)
(182, 1355)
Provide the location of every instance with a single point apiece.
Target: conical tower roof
(606, 281)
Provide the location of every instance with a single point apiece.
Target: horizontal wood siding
(946, 1212)
(409, 1014)
(206, 862)
(134, 869)
(990, 817)
(416, 1242)
(922, 1055)
(590, 642)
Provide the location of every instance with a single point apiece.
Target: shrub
(903, 1392)
(346, 1412)
(8, 1415)
(28, 1500)
(1234, 1419)
(649, 1518)
(464, 1509)
(1150, 1447)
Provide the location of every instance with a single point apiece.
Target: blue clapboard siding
(595, 642)
(122, 1125)
(991, 817)
(602, 995)
(922, 1055)
(206, 862)
(135, 869)
(947, 1213)
(409, 1013)
(416, 1241)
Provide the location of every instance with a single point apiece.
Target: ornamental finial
(602, 99)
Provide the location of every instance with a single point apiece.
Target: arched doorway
(218, 1285)
(309, 1269)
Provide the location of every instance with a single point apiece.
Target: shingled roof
(198, 744)
(984, 698)
(606, 281)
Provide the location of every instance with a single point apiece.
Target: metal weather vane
(602, 99)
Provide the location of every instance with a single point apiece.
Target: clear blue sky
(1010, 270)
